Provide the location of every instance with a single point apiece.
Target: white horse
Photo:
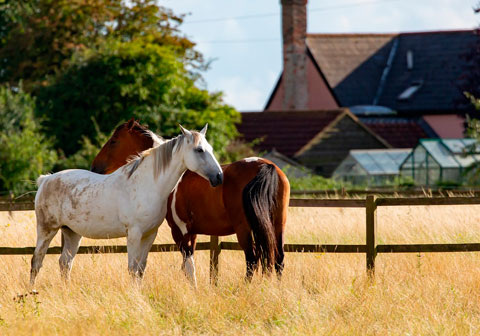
(131, 202)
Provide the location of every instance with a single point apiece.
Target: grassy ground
(325, 294)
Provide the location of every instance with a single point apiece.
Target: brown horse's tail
(259, 204)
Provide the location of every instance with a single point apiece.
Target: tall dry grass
(324, 294)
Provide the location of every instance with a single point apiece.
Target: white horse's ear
(204, 129)
(185, 132)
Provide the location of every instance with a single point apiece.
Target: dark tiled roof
(285, 131)
(353, 65)
(399, 132)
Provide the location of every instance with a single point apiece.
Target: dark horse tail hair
(259, 205)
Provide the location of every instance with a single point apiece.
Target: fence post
(371, 228)
(215, 250)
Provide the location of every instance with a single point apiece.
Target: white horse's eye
(199, 150)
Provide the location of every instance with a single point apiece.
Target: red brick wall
(319, 95)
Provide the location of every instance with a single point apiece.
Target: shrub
(25, 152)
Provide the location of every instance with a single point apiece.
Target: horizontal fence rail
(215, 246)
(415, 192)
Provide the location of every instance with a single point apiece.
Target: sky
(242, 39)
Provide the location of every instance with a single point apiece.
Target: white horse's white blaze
(131, 202)
(251, 159)
(189, 268)
(180, 223)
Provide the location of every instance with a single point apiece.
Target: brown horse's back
(233, 187)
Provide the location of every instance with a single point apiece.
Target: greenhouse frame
(440, 161)
(373, 167)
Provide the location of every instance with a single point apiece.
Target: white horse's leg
(147, 242)
(134, 249)
(43, 241)
(70, 248)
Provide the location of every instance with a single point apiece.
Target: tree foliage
(90, 65)
(39, 37)
(25, 153)
(125, 79)
(469, 80)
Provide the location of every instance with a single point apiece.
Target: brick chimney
(294, 32)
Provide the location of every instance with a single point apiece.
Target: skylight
(408, 92)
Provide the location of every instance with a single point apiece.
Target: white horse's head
(199, 158)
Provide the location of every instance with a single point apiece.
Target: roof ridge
(350, 34)
(389, 34)
(338, 110)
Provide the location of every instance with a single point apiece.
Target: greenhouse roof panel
(459, 146)
(380, 161)
(452, 153)
(440, 153)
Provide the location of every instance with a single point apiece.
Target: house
(340, 92)
(416, 74)
(319, 140)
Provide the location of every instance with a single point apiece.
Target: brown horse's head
(129, 139)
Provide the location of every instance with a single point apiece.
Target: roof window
(409, 59)
(408, 92)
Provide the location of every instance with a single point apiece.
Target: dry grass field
(321, 294)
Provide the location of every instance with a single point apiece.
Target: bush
(314, 182)
(25, 152)
(89, 149)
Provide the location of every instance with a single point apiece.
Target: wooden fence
(370, 248)
(404, 192)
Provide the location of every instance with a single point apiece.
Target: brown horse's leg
(280, 219)
(187, 248)
(186, 245)
(279, 263)
(246, 242)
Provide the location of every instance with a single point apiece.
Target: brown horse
(252, 202)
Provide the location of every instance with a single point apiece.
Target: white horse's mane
(157, 140)
(162, 154)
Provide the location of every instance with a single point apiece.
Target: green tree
(25, 153)
(39, 37)
(123, 79)
(472, 173)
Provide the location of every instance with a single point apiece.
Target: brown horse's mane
(138, 128)
(162, 156)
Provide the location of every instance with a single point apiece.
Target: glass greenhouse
(440, 161)
(372, 167)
